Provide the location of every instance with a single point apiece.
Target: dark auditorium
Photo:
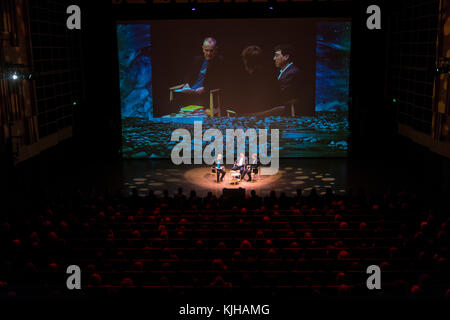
(225, 158)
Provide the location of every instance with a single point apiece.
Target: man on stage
(220, 170)
(241, 164)
(252, 167)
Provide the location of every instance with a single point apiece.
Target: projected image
(288, 74)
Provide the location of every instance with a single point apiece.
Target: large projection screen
(157, 55)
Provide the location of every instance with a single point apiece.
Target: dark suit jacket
(257, 92)
(214, 73)
(254, 165)
(290, 84)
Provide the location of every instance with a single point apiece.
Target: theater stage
(64, 174)
(159, 175)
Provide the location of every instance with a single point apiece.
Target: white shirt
(241, 161)
(283, 70)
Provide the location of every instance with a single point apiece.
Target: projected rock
(342, 144)
(139, 155)
(333, 106)
(137, 104)
(135, 70)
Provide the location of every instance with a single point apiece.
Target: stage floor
(373, 175)
(159, 175)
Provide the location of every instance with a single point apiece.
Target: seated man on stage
(252, 166)
(241, 164)
(220, 170)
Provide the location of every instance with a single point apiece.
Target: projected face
(209, 49)
(219, 156)
(280, 59)
(242, 155)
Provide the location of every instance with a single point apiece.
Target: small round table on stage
(235, 177)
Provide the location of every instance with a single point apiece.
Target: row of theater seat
(303, 250)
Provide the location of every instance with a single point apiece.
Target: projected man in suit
(289, 77)
(204, 73)
(241, 164)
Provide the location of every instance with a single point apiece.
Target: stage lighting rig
(15, 72)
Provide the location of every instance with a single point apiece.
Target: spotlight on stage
(15, 76)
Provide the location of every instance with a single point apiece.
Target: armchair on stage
(219, 171)
(254, 169)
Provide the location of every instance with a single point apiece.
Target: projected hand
(186, 89)
(199, 90)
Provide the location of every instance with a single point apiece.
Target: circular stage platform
(204, 178)
(294, 174)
